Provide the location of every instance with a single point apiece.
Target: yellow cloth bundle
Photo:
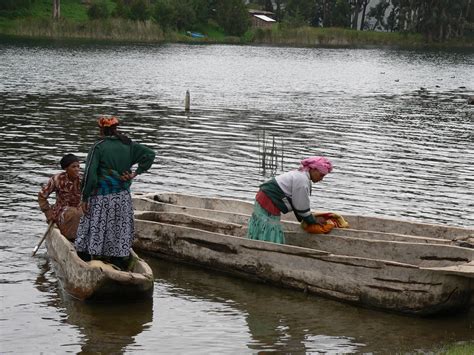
(333, 220)
(337, 219)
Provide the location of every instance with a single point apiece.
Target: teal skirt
(264, 226)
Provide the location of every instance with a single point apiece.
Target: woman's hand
(320, 220)
(126, 176)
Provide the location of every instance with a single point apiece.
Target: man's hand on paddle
(49, 215)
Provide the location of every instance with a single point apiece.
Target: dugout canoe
(96, 280)
(421, 274)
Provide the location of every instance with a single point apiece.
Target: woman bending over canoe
(288, 192)
(107, 227)
(66, 212)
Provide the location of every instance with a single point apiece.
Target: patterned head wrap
(322, 164)
(67, 160)
(107, 121)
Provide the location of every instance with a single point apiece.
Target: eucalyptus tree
(378, 13)
(56, 9)
(441, 20)
(363, 9)
(437, 20)
(356, 7)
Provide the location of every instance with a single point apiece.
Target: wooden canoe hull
(381, 284)
(388, 264)
(85, 282)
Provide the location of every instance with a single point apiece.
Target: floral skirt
(107, 229)
(264, 226)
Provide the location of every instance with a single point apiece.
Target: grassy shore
(117, 29)
(458, 349)
(110, 29)
(310, 36)
(75, 24)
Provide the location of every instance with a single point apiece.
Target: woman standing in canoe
(288, 192)
(107, 227)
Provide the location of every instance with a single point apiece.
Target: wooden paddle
(50, 225)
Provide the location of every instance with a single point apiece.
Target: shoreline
(131, 32)
(137, 41)
(119, 31)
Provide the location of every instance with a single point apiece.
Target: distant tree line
(437, 20)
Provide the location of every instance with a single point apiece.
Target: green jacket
(107, 160)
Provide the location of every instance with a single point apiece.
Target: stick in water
(42, 239)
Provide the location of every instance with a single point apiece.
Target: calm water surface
(395, 123)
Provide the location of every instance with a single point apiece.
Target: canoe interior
(192, 205)
(421, 254)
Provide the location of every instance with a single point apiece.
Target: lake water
(395, 123)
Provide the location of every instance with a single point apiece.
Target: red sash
(267, 203)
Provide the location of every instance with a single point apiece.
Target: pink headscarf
(322, 164)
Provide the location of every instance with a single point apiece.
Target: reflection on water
(108, 328)
(395, 123)
(105, 327)
(284, 320)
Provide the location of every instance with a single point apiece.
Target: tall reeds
(311, 36)
(110, 29)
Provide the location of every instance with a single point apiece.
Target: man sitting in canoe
(66, 212)
(289, 192)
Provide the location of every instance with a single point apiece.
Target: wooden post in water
(187, 102)
(282, 152)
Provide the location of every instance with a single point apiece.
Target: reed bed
(310, 36)
(110, 29)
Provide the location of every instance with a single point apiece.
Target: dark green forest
(434, 20)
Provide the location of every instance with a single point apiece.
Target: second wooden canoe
(399, 272)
